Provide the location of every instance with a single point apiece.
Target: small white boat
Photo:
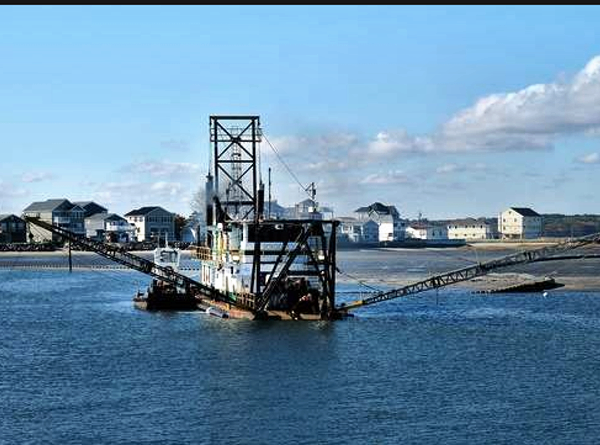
(216, 312)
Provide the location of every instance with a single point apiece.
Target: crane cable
(359, 281)
(289, 170)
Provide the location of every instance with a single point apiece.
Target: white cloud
(592, 158)
(36, 177)
(130, 194)
(529, 119)
(448, 168)
(167, 188)
(456, 168)
(391, 177)
(319, 142)
(389, 142)
(163, 168)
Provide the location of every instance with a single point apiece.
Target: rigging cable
(289, 170)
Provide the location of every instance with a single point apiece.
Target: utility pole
(70, 258)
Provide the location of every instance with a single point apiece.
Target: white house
(152, 223)
(426, 231)
(470, 229)
(354, 231)
(307, 209)
(391, 227)
(520, 223)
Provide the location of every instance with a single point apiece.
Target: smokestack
(208, 197)
(261, 201)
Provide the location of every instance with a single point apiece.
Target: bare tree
(198, 202)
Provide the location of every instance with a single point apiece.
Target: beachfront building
(90, 208)
(152, 223)
(12, 229)
(60, 212)
(307, 209)
(109, 227)
(426, 231)
(351, 230)
(390, 226)
(471, 229)
(520, 223)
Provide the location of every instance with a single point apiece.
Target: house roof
(105, 217)
(143, 211)
(275, 206)
(467, 221)
(84, 204)
(378, 207)
(525, 211)
(9, 215)
(47, 205)
(419, 226)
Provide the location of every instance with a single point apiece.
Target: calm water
(78, 364)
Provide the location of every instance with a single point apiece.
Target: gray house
(60, 212)
(90, 208)
(12, 229)
(109, 227)
(152, 223)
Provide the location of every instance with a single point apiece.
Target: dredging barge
(257, 267)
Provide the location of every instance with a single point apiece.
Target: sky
(443, 111)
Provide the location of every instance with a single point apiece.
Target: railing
(202, 253)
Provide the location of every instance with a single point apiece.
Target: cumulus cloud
(448, 168)
(164, 169)
(529, 119)
(327, 141)
(167, 188)
(456, 168)
(139, 193)
(36, 177)
(592, 158)
(391, 177)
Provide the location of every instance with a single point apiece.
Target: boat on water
(161, 295)
(259, 266)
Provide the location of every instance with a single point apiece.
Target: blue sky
(448, 111)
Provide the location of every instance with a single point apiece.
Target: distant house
(90, 208)
(109, 227)
(426, 231)
(274, 211)
(60, 212)
(391, 226)
(352, 230)
(520, 223)
(152, 223)
(12, 229)
(471, 229)
(307, 209)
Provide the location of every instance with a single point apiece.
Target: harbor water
(78, 364)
